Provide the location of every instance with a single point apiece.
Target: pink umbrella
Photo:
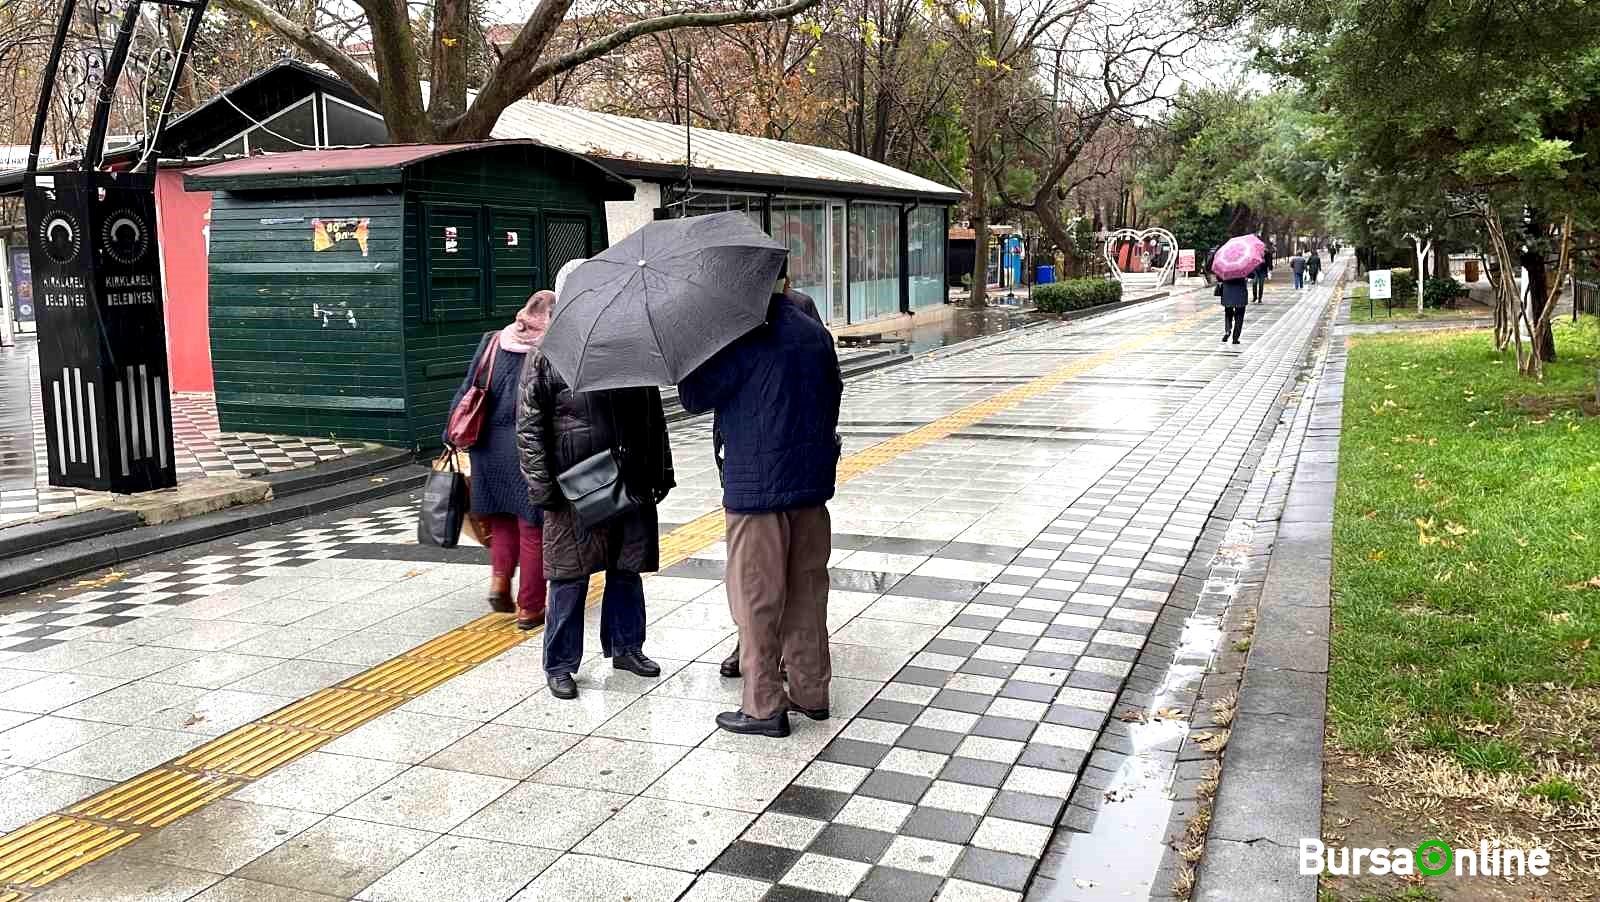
(1239, 257)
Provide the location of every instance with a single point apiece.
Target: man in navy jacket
(776, 393)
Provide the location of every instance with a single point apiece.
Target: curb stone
(35, 553)
(1270, 794)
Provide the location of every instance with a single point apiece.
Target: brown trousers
(778, 591)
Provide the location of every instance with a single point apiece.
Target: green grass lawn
(1406, 309)
(1467, 552)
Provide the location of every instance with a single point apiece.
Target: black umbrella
(658, 303)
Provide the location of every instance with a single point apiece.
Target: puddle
(960, 326)
(1118, 858)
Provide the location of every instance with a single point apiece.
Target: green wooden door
(453, 263)
(513, 241)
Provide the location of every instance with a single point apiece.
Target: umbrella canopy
(658, 303)
(1239, 257)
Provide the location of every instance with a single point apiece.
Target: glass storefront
(802, 224)
(874, 273)
(848, 260)
(925, 245)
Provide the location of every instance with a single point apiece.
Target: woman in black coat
(499, 493)
(1235, 294)
(557, 428)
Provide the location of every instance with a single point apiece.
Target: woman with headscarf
(499, 493)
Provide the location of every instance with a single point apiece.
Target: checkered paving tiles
(991, 592)
(202, 448)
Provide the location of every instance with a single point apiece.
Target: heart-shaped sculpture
(1142, 258)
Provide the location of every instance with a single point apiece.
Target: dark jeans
(1257, 284)
(1232, 322)
(1299, 280)
(621, 619)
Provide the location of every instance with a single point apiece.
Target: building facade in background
(867, 240)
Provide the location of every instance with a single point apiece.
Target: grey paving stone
(994, 868)
(895, 786)
(885, 884)
(942, 741)
(1283, 692)
(1261, 871)
(1002, 728)
(942, 825)
(850, 843)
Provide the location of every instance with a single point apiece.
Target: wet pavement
(1011, 525)
(960, 326)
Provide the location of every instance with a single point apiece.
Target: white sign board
(1378, 284)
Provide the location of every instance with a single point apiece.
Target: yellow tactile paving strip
(55, 845)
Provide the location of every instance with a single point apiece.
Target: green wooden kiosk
(350, 287)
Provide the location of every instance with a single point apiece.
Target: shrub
(1438, 292)
(1402, 288)
(1076, 294)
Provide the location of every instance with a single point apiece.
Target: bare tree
(1047, 77)
(1113, 62)
(395, 84)
(997, 41)
(753, 78)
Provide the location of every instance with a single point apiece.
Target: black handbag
(444, 504)
(595, 486)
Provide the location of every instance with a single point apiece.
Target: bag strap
(486, 360)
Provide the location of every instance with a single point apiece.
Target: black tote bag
(444, 504)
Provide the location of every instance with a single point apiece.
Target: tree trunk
(1055, 230)
(979, 158)
(394, 56)
(1538, 295)
(978, 165)
(447, 97)
(1423, 249)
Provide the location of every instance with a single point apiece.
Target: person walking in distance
(1314, 264)
(499, 493)
(1258, 279)
(556, 429)
(1235, 295)
(1297, 265)
(776, 392)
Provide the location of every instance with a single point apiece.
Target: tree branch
(519, 73)
(353, 73)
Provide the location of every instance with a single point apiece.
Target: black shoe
(502, 603)
(1236, 341)
(562, 685)
(1224, 338)
(730, 665)
(813, 713)
(776, 726)
(636, 663)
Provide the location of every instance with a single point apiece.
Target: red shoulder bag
(466, 420)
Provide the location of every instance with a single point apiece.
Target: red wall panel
(183, 221)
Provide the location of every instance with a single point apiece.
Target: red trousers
(517, 545)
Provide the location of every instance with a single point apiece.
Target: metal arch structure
(1162, 275)
(102, 325)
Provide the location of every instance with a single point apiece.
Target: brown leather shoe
(501, 603)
